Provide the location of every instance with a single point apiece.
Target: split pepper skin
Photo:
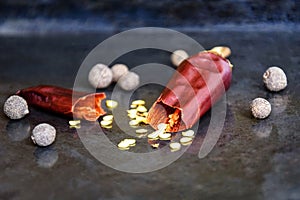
(198, 83)
(64, 101)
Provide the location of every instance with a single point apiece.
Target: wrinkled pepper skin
(199, 82)
(65, 101)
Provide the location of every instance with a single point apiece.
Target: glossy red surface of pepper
(200, 81)
(60, 100)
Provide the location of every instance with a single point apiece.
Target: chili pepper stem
(222, 51)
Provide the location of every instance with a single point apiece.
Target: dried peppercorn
(119, 70)
(129, 81)
(100, 76)
(178, 56)
(15, 107)
(275, 79)
(43, 134)
(260, 108)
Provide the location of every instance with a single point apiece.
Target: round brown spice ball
(178, 56)
(260, 108)
(43, 134)
(129, 81)
(275, 79)
(15, 107)
(119, 70)
(100, 76)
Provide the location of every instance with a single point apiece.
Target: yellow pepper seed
(108, 118)
(111, 103)
(140, 119)
(162, 126)
(133, 106)
(141, 109)
(133, 123)
(145, 121)
(189, 133)
(138, 102)
(154, 135)
(156, 145)
(175, 145)
(165, 136)
(131, 142)
(141, 131)
(123, 144)
(107, 127)
(105, 123)
(132, 111)
(186, 140)
(123, 149)
(126, 143)
(132, 116)
(141, 135)
(75, 126)
(74, 122)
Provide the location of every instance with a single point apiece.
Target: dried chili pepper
(59, 100)
(200, 81)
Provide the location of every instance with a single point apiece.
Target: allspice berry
(100, 76)
(275, 79)
(260, 108)
(178, 56)
(119, 70)
(43, 134)
(129, 81)
(15, 107)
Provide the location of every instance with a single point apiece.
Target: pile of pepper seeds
(160, 135)
(137, 115)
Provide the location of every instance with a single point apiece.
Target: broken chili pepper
(60, 100)
(199, 82)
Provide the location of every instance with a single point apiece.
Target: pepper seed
(111, 104)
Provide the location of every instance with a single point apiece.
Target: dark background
(83, 15)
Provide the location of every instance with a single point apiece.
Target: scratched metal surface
(252, 159)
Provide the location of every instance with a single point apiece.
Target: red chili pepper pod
(60, 100)
(200, 81)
